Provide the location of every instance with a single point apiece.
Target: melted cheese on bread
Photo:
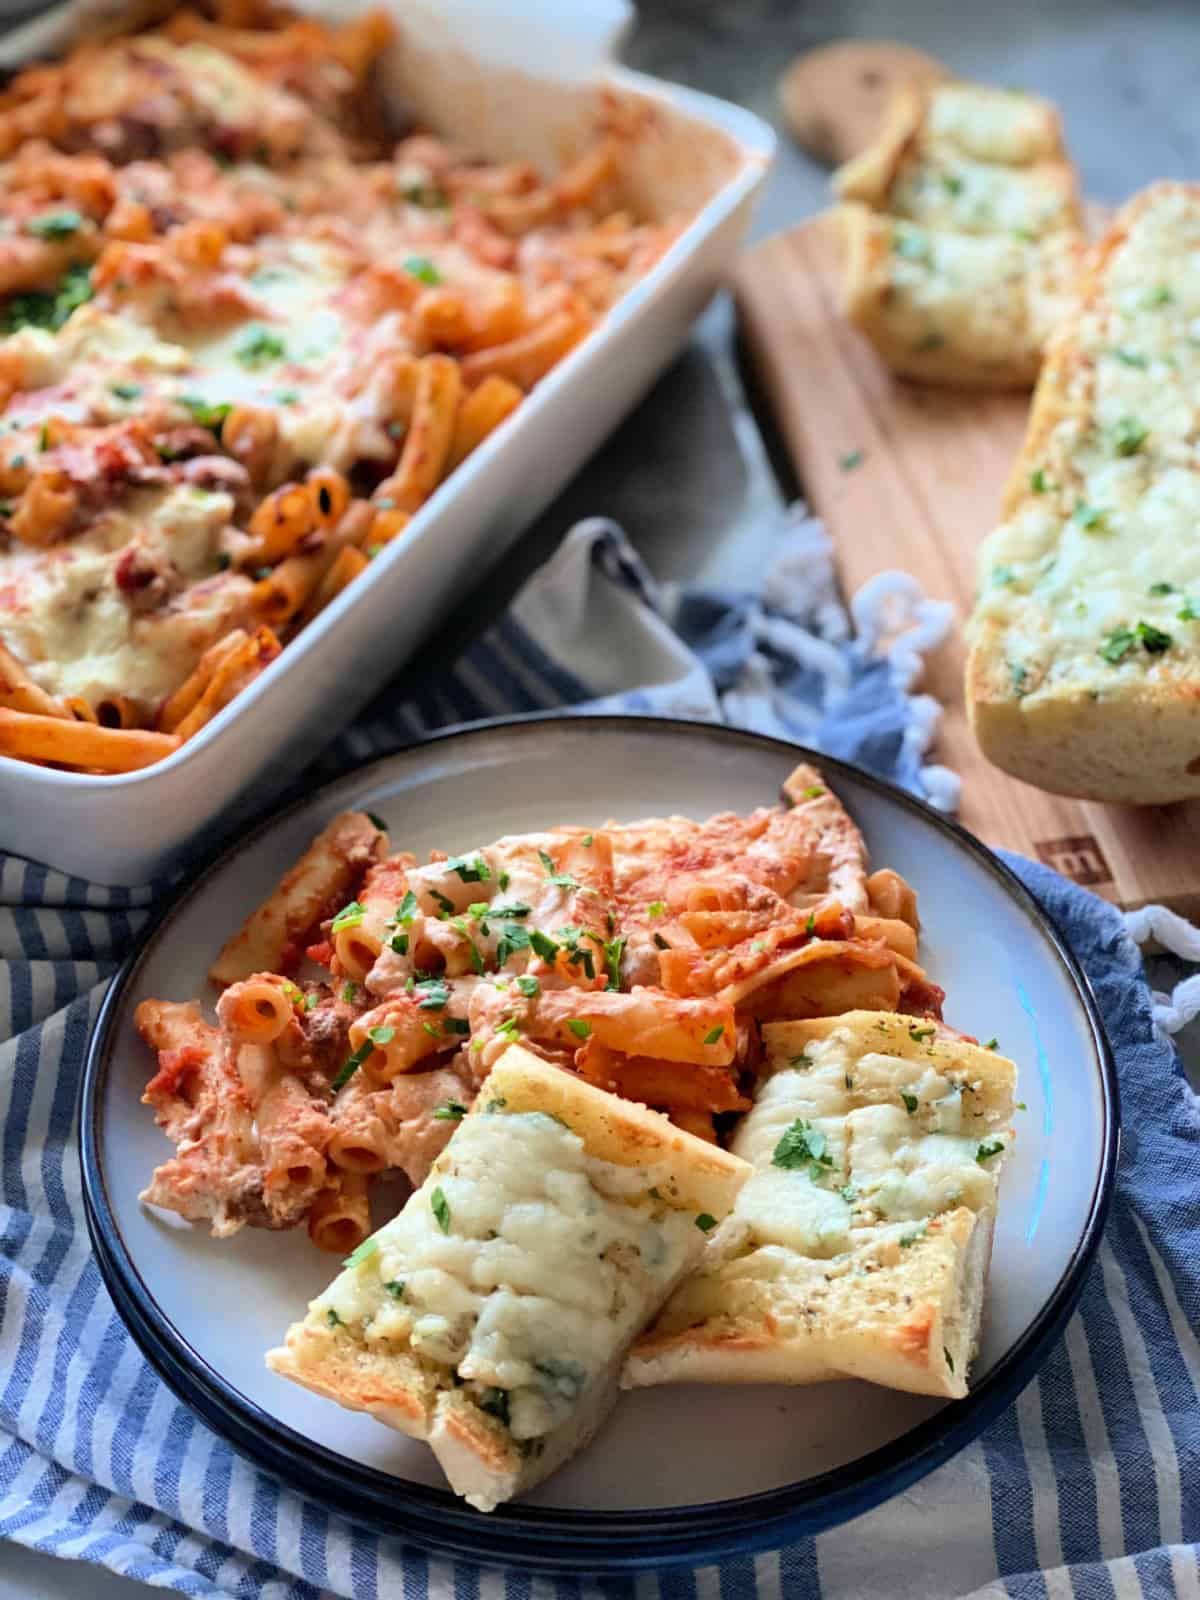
(1085, 667)
(491, 1316)
(858, 1248)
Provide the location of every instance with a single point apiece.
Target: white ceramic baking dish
(693, 154)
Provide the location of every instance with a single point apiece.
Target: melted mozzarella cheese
(991, 124)
(526, 1265)
(76, 632)
(1109, 542)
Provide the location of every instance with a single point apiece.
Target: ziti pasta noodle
(241, 347)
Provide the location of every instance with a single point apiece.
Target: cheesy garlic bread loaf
(1084, 669)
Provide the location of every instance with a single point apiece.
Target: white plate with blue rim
(650, 1489)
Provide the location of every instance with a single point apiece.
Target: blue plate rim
(551, 1538)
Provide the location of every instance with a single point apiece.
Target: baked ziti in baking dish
(246, 334)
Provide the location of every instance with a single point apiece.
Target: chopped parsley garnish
(802, 1060)
(1131, 358)
(988, 1149)
(365, 1251)
(952, 183)
(587, 841)
(259, 347)
(406, 910)
(40, 308)
(332, 1318)
(495, 1403)
(348, 917)
(528, 986)
(452, 1111)
(992, 1044)
(1002, 576)
(578, 955)
(204, 412)
(126, 391)
(503, 881)
(1117, 646)
(513, 937)
(1160, 295)
(455, 1025)
(440, 1207)
(911, 1102)
(810, 926)
(351, 1065)
(1154, 640)
(349, 991)
(1189, 611)
(55, 224)
(510, 908)
(801, 1145)
(444, 903)
(1162, 588)
(907, 1240)
(614, 949)
(425, 194)
(1087, 516)
(852, 459)
(1018, 675)
(581, 1029)
(381, 1036)
(479, 909)
(926, 1031)
(471, 869)
(421, 267)
(287, 397)
(508, 1030)
(913, 246)
(395, 1287)
(715, 1035)
(432, 1029)
(435, 993)
(542, 944)
(848, 1193)
(813, 792)
(949, 1359)
(560, 880)
(656, 908)
(705, 1222)
(398, 944)
(1039, 482)
(44, 437)
(1128, 435)
(377, 821)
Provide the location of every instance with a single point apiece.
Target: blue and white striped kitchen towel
(1089, 1485)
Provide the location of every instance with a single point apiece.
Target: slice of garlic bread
(861, 1245)
(490, 1318)
(1084, 669)
(961, 235)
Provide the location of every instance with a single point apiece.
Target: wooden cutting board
(910, 477)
